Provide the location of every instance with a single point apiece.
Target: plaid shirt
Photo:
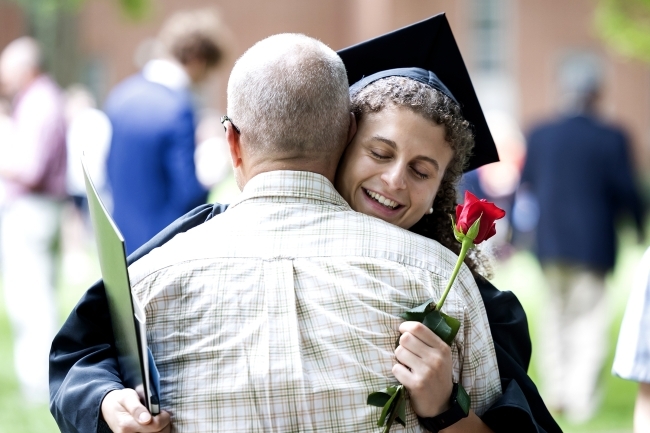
(282, 313)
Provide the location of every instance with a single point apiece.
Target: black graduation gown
(83, 364)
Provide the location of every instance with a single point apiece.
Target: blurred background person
(498, 182)
(632, 361)
(579, 170)
(88, 135)
(212, 157)
(33, 167)
(151, 169)
(6, 130)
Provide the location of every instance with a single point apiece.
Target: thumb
(132, 404)
(142, 415)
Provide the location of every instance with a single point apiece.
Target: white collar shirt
(167, 73)
(282, 313)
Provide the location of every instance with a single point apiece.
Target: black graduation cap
(429, 45)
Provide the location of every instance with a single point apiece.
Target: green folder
(136, 364)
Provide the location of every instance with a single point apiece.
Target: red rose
(471, 210)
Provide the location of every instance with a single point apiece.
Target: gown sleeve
(83, 363)
(520, 408)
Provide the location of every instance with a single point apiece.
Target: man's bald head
(20, 63)
(288, 95)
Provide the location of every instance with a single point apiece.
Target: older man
(263, 317)
(32, 166)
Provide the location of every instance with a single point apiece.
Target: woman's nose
(393, 177)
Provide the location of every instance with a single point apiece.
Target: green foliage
(523, 276)
(625, 26)
(134, 9)
(48, 6)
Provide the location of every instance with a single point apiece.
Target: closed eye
(420, 175)
(377, 155)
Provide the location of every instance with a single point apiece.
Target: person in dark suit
(578, 168)
(150, 165)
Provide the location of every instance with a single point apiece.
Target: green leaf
(394, 408)
(401, 413)
(418, 313)
(392, 389)
(457, 233)
(435, 322)
(473, 230)
(378, 399)
(442, 325)
(387, 406)
(454, 324)
(394, 411)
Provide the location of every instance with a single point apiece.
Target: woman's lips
(381, 202)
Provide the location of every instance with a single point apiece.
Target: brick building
(512, 47)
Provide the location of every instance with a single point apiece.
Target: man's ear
(353, 128)
(234, 145)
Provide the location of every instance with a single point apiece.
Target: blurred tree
(625, 26)
(54, 24)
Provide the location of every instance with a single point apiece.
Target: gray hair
(288, 94)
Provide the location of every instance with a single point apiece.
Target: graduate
(83, 368)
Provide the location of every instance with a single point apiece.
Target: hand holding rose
(424, 350)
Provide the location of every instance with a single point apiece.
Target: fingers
(424, 368)
(422, 342)
(423, 333)
(123, 412)
(432, 365)
(405, 355)
(403, 374)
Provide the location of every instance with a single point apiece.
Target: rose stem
(466, 245)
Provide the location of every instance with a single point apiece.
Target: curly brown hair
(437, 107)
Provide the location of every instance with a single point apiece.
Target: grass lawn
(521, 274)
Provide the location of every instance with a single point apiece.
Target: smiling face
(393, 166)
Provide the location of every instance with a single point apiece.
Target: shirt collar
(169, 74)
(291, 184)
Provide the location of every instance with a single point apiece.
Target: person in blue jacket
(150, 165)
(579, 170)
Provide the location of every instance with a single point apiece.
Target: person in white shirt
(632, 361)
